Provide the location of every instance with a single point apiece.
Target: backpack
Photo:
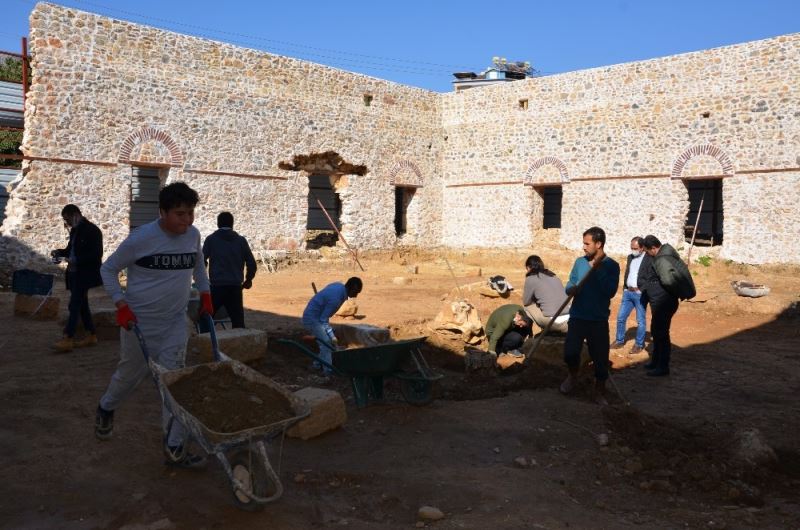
(686, 289)
(500, 284)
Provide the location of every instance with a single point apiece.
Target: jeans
(323, 332)
(631, 300)
(78, 308)
(595, 333)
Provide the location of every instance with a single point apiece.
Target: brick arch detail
(403, 165)
(546, 161)
(703, 150)
(150, 133)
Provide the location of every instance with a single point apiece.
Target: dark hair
(639, 241)
(175, 195)
(353, 284)
(536, 266)
(597, 233)
(651, 241)
(225, 220)
(528, 320)
(70, 209)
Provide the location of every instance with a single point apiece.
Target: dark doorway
(145, 185)
(320, 189)
(319, 232)
(709, 229)
(551, 206)
(402, 198)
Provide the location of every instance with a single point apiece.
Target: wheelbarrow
(368, 367)
(243, 454)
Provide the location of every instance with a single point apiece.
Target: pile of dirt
(226, 402)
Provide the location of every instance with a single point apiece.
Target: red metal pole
(24, 71)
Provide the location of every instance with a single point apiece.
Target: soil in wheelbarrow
(226, 402)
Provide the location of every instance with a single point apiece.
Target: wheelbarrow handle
(213, 335)
(142, 344)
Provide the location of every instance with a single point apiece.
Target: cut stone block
(358, 335)
(242, 344)
(328, 412)
(31, 305)
(509, 363)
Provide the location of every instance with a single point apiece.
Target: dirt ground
(492, 451)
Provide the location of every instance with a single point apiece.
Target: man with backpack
(663, 280)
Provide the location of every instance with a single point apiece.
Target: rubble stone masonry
(621, 140)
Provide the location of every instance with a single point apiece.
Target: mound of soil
(225, 402)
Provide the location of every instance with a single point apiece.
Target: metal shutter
(145, 185)
(319, 187)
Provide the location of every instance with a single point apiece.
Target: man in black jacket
(227, 254)
(84, 254)
(663, 302)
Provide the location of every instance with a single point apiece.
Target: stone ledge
(328, 412)
(26, 305)
(242, 344)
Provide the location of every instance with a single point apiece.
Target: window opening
(709, 228)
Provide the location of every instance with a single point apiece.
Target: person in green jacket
(507, 328)
(663, 283)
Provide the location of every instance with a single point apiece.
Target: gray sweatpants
(166, 344)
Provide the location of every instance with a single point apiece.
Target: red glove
(206, 307)
(125, 316)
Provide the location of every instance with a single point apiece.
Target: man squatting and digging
(591, 307)
(507, 328)
(161, 259)
(320, 309)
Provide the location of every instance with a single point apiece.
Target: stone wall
(108, 94)
(621, 138)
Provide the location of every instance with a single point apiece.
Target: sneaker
(637, 349)
(179, 457)
(64, 345)
(103, 423)
(616, 345)
(88, 340)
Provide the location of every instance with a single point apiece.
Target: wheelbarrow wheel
(416, 391)
(247, 469)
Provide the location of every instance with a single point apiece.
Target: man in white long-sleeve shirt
(161, 258)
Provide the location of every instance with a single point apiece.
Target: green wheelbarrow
(368, 367)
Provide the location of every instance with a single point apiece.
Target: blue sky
(421, 42)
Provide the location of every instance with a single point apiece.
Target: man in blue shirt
(593, 282)
(321, 308)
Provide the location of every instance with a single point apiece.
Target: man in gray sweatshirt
(161, 258)
(227, 254)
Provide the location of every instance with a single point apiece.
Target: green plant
(11, 69)
(705, 261)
